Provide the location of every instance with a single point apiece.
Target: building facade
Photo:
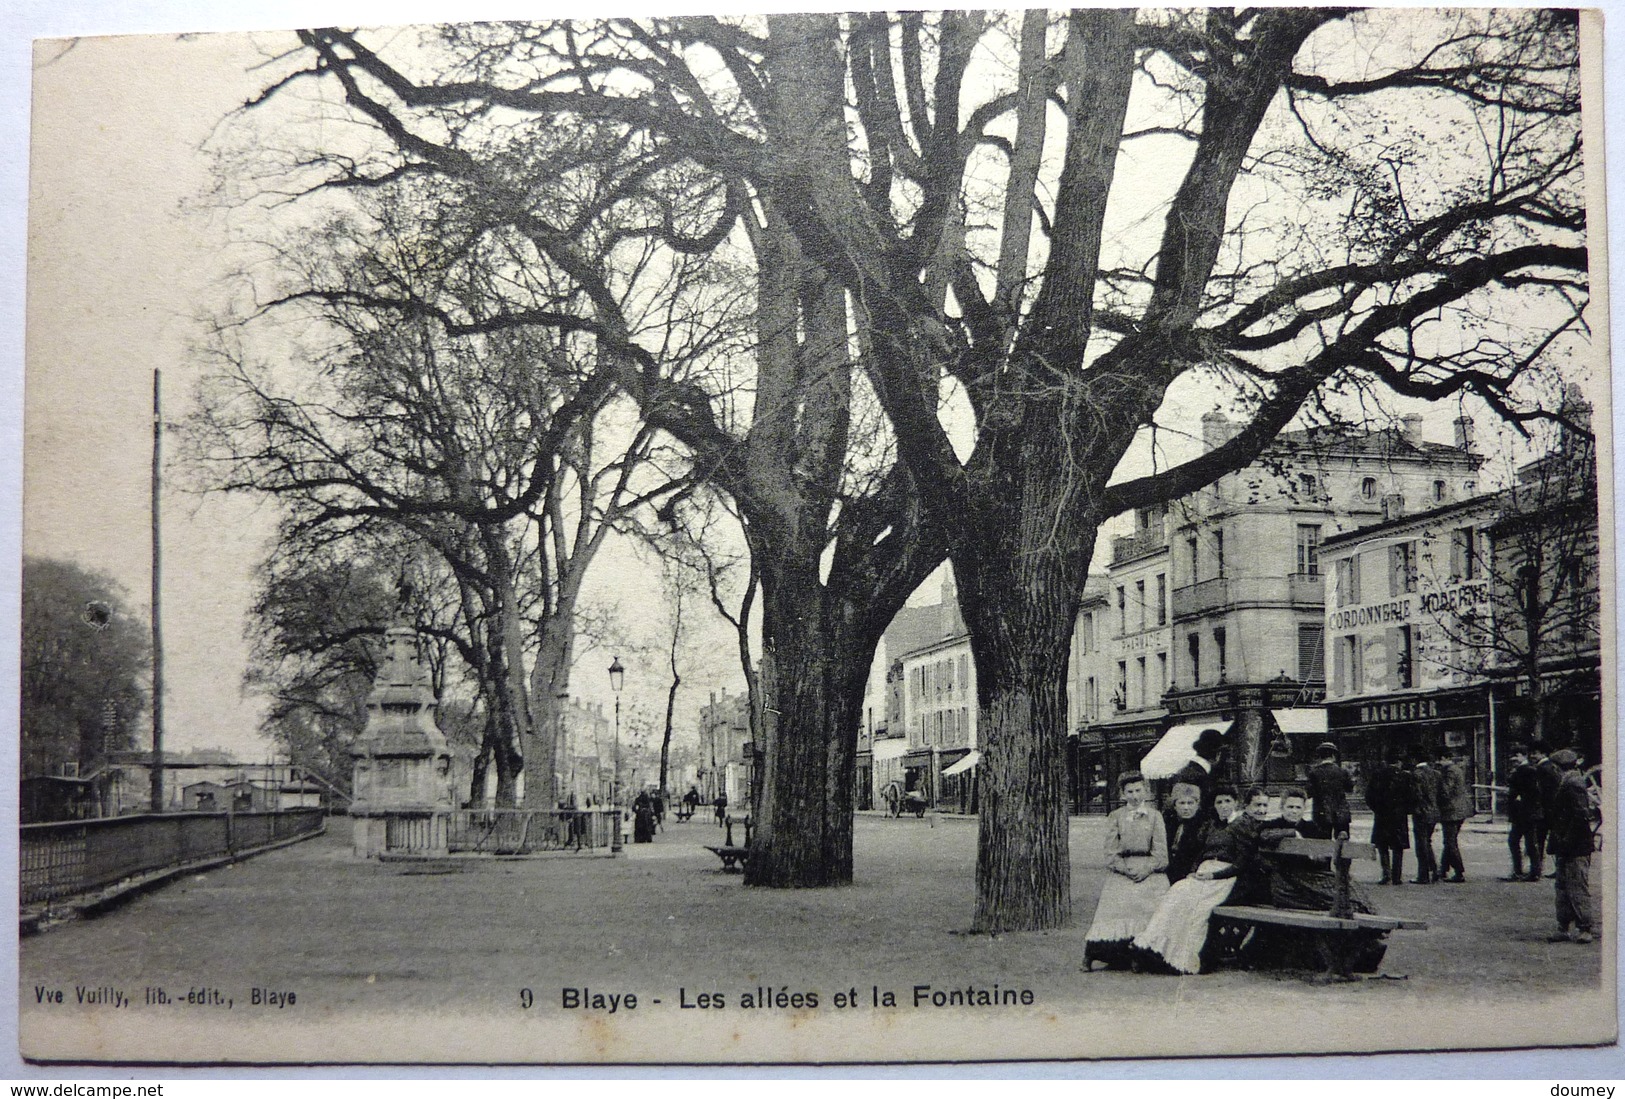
(1473, 627)
(726, 751)
(1214, 608)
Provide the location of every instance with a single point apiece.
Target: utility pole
(157, 616)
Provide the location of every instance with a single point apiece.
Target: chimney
(1464, 433)
(1413, 428)
(1216, 430)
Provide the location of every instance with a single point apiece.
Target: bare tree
(1519, 598)
(486, 450)
(931, 199)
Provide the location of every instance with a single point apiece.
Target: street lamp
(617, 679)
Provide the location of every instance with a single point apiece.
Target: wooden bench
(1343, 942)
(733, 855)
(683, 812)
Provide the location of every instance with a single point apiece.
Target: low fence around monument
(73, 857)
(528, 831)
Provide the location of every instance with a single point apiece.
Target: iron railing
(525, 831)
(81, 856)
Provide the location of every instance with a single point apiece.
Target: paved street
(357, 938)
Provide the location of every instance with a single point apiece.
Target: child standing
(1136, 856)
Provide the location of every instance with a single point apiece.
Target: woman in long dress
(1136, 856)
(1173, 939)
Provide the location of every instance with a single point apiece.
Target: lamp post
(617, 679)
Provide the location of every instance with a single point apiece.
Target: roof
(1343, 441)
(1487, 502)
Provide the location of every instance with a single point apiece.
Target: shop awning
(965, 763)
(1176, 748)
(891, 749)
(1301, 721)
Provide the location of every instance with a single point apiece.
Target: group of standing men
(1552, 811)
(1429, 796)
(1549, 808)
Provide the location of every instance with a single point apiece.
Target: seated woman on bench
(1229, 871)
(1299, 881)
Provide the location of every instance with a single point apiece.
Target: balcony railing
(1126, 547)
(1299, 590)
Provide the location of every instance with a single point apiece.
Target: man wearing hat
(1329, 788)
(1199, 771)
(1568, 838)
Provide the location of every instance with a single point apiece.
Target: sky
(121, 259)
(121, 255)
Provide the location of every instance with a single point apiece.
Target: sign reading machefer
(449, 318)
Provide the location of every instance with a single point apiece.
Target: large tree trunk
(811, 693)
(1020, 621)
(1022, 560)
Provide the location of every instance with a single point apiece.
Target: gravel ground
(357, 937)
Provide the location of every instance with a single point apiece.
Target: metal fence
(70, 857)
(525, 831)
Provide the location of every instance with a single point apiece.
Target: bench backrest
(1325, 849)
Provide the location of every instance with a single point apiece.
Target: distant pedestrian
(1424, 819)
(1548, 777)
(1329, 789)
(691, 800)
(1388, 795)
(659, 800)
(643, 818)
(720, 804)
(1136, 858)
(1526, 817)
(1569, 840)
(1455, 806)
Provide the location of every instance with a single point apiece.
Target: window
(1403, 656)
(964, 674)
(1464, 559)
(1162, 599)
(1218, 553)
(1348, 580)
(1440, 491)
(1368, 489)
(1308, 549)
(1139, 597)
(1310, 658)
(1194, 644)
(1091, 699)
(1401, 568)
(1306, 484)
(964, 725)
(1219, 651)
(1162, 677)
(1139, 672)
(1346, 670)
(1194, 557)
(1122, 613)
(1086, 634)
(1120, 700)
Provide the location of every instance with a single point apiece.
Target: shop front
(1404, 726)
(1271, 729)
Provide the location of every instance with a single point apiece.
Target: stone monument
(402, 783)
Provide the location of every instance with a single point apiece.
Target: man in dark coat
(1199, 771)
(1569, 840)
(1388, 794)
(1329, 789)
(1548, 777)
(1524, 812)
(1424, 819)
